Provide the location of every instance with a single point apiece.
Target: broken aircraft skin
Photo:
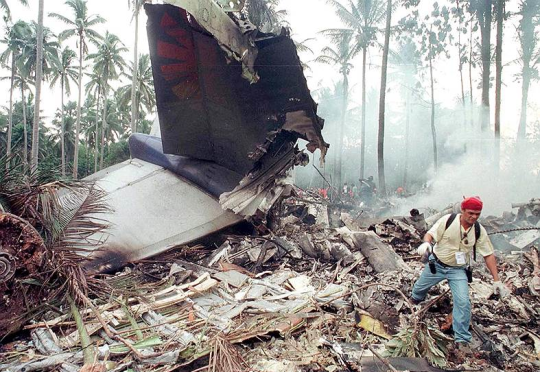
(232, 104)
(208, 110)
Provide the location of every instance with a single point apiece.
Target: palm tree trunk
(10, 114)
(433, 130)
(363, 130)
(485, 28)
(137, 98)
(522, 129)
(382, 100)
(39, 77)
(25, 132)
(470, 77)
(96, 131)
(461, 75)
(339, 165)
(103, 127)
(78, 122)
(498, 81)
(527, 47)
(407, 135)
(134, 103)
(63, 134)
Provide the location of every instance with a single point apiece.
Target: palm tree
(115, 119)
(22, 81)
(64, 72)
(81, 27)
(382, 100)
(63, 133)
(137, 5)
(29, 52)
(109, 64)
(363, 19)
(5, 6)
(263, 14)
(144, 86)
(32, 53)
(341, 57)
(39, 77)
(15, 40)
(89, 128)
(22, 111)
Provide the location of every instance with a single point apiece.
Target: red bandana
(473, 203)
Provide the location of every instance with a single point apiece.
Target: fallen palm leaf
(423, 342)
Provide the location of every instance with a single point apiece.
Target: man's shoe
(415, 301)
(461, 353)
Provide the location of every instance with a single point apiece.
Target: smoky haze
(466, 155)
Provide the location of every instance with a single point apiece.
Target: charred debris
(199, 254)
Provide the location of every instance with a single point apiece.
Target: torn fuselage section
(209, 109)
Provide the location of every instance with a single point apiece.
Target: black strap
(476, 231)
(476, 237)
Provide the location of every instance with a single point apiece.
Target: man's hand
(424, 250)
(500, 289)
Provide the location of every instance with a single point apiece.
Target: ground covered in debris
(327, 290)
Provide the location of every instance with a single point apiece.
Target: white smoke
(476, 174)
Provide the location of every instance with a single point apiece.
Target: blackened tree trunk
(382, 100)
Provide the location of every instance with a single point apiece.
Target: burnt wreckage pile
(305, 298)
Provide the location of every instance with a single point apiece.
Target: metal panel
(153, 211)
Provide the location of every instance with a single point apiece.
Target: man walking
(457, 237)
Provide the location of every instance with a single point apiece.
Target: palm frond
(325, 60)
(62, 18)
(95, 21)
(66, 34)
(76, 221)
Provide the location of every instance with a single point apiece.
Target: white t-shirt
(453, 240)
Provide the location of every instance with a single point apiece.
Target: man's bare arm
(491, 264)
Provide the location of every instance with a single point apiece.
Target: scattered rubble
(303, 298)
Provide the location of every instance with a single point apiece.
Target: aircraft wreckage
(232, 103)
